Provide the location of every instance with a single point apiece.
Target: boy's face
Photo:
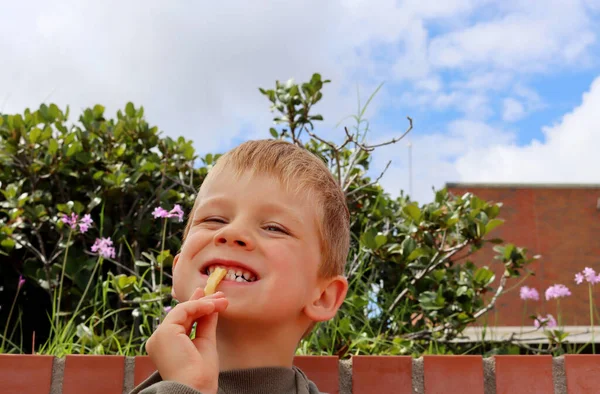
(252, 224)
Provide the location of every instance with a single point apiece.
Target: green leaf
(34, 135)
(53, 111)
(165, 258)
(367, 239)
(413, 211)
(415, 254)
(273, 132)
(130, 110)
(98, 111)
(380, 240)
(8, 244)
(408, 246)
(492, 224)
(484, 276)
(73, 148)
(52, 146)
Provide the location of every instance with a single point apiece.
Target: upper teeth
(234, 274)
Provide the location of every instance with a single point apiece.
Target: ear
(328, 299)
(175, 260)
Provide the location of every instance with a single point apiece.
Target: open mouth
(233, 274)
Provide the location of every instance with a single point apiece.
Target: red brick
(453, 374)
(382, 374)
(25, 374)
(524, 374)
(93, 374)
(322, 370)
(583, 373)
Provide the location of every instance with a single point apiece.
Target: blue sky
(496, 88)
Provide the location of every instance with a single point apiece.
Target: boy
(271, 214)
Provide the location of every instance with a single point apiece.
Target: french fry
(214, 279)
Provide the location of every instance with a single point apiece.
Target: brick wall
(560, 223)
(76, 374)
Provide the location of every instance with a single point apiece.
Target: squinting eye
(275, 228)
(216, 220)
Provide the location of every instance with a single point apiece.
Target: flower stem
(524, 315)
(592, 318)
(558, 313)
(162, 248)
(87, 287)
(12, 307)
(62, 276)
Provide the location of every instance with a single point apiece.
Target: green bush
(408, 287)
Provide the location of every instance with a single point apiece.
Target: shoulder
(155, 385)
(303, 384)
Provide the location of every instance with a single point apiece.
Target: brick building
(559, 222)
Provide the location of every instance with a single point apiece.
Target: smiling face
(265, 236)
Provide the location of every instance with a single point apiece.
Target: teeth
(236, 275)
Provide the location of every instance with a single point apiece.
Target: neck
(242, 345)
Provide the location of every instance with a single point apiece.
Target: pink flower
(160, 212)
(590, 275)
(557, 291)
(85, 223)
(21, 281)
(104, 248)
(176, 212)
(578, 278)
(548, 322)
(168, 309)
(528, 293)
(70, 221)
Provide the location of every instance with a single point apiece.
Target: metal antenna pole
(410, 188)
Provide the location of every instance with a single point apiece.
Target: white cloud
(513, 110)
(568, 154)
(473, 151)
(526, 38)
(196, 67)
(434, 156)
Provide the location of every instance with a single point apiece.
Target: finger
(199, 293)
(206, 330)
(184, 314)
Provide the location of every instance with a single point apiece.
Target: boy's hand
(178, 358)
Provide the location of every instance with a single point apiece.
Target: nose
(234, 236)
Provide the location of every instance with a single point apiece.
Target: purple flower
(70, 221)
(529, 293)
(176, 212)
(168, 309)
(557, 291)
(590, 275)
(548, 322)
(21, 281)
(160, 212)
(85, 223)
(104, 247)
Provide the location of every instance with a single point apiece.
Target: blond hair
(299, 171)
